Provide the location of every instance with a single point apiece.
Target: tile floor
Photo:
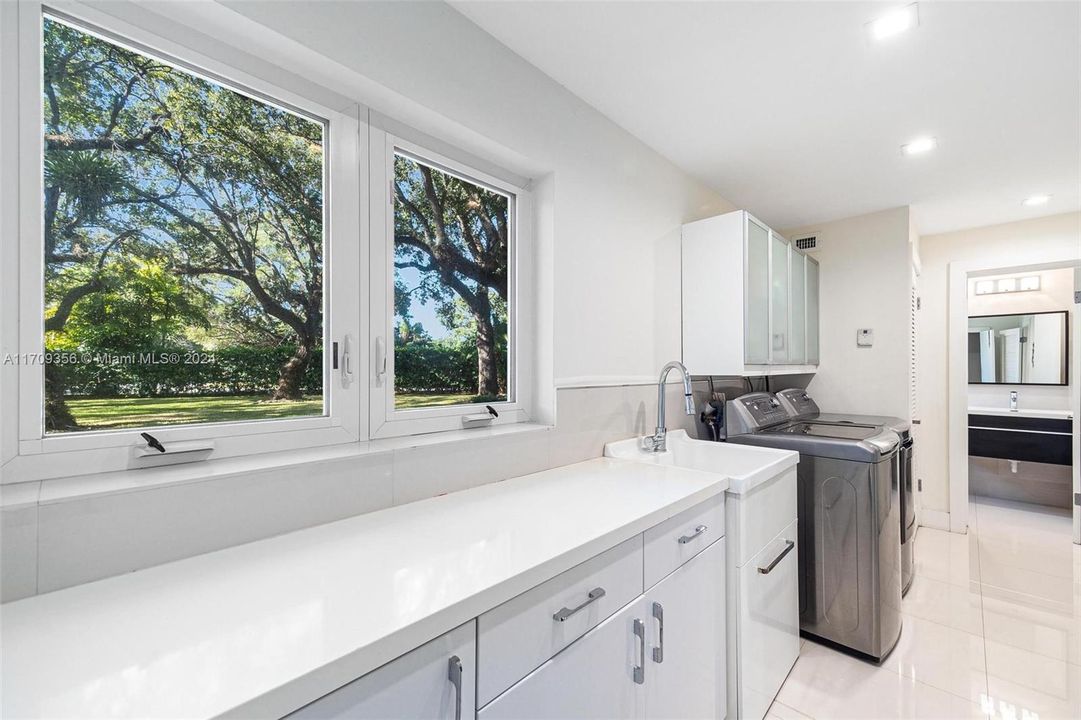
(992, 629)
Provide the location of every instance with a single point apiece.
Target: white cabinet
(750, 303)
(598, 677)
(437, 681)
(686, 669)
(763, 594)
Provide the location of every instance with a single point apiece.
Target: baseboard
(936, 519)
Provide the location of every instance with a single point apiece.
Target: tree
(144, 161)
(455, 234)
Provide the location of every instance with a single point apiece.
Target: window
(183, 245)
(452, 308)
(189, 262)
(201, 251)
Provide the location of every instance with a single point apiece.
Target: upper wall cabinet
(750, 299)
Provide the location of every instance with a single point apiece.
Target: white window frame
(385, 420)
(41, 456)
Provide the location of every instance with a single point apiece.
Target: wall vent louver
(806, 243)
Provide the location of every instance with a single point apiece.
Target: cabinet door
(685, 675)
(437, 681)
(756, 294)
(779, 292)
(768, 623)
(600, 676)
(797, 307)
(812, 311)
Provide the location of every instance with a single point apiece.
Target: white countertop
(260, 629)
(1023, 412)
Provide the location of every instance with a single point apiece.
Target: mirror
(1020, 349)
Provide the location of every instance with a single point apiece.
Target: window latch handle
(346, 360)
(380, 360)
(153, 442)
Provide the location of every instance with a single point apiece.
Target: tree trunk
(487, 351)
(291, 376)
(57, 416)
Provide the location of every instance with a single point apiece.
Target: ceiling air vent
(806, 243)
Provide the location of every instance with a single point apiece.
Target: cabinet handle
(697, 531)
(788, 545)
(454, 674)
(640, 668)
(564, 613)
(658, 652)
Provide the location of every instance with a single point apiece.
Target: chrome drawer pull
(594, 595)
(658, 652)
(454, 674)
(640, 668)
(788, 545)
(687, 538)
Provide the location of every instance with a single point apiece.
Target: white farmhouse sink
(745, 466)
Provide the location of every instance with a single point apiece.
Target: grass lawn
(113, 413)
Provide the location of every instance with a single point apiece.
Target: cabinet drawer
(756, 517)
(523, 633)
(419, 684)
(681, 537)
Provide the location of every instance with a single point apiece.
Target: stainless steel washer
(800, 406)
(848, 510)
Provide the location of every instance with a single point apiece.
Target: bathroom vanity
(1023, 455)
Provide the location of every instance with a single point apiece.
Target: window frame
(40, 455)
(385, 419)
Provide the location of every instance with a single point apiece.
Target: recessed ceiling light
(919, 145)
(894, 23)
(1035, 200)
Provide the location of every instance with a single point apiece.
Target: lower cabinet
(437, 681)
(767, 612)
(685, 674)
(661, 656)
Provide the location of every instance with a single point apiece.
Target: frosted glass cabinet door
(812, 311)
(779, 289)
(756, 295)
(797, 313)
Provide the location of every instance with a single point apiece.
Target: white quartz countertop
(1022, 412)
(260, 629)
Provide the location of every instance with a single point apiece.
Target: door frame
(959, 274)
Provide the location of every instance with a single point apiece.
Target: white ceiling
(791, 111)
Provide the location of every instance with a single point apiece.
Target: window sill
(58, 490)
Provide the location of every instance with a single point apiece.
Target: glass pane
(812, 311)
(779, 304)
(183, 240)
(756, 329)
(797, 347)
(451, 256)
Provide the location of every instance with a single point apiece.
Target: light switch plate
(865, 337)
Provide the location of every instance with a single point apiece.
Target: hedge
(426, 367)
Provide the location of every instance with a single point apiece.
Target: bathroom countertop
(1022, 412)
(259, 630)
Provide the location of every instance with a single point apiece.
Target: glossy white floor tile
(992, 629)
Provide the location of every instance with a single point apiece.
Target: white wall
(1055, 293)
(865, 280)
(618, 206)
(609, 212)
(1010, 245)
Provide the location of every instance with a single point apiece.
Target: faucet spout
(658, 441)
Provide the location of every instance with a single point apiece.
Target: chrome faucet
(657, 441)
(1013, 401)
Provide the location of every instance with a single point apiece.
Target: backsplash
(46, 547)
